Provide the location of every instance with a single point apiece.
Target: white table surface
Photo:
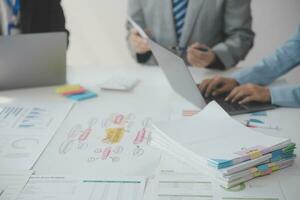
(152, 95)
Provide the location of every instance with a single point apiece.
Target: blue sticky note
(263, 168)
(83, 96)
(275, 159)
(277, 153)
(220, 163)
(262, 113)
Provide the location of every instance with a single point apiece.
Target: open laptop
(32, 60)
(183, 83)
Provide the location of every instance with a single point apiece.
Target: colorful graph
(259, 120)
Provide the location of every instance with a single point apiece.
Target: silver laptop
(183, 83)
(32, 60)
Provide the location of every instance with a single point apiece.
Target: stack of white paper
(213, 143)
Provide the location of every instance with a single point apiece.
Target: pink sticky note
(81, 90)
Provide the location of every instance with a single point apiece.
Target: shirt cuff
(217, 64)
(223, 53)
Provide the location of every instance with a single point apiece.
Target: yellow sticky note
(114, 135)
(68, 88)
(255, 154)
(257, 174)
(275, 168)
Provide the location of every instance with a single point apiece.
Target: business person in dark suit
(31, 16)
(221, 29)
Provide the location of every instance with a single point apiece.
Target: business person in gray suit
(206, 33)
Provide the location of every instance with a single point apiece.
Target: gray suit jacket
(223, 25)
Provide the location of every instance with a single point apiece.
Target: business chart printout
(26, 129)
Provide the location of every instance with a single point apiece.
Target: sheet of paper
(138, 28)
(101, 141)
(25, 131)
(12, 183)
(62, 188)
(260, 121)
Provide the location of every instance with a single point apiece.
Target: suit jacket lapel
(26, 15)
(191, 16)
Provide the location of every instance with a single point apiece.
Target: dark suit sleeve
(57, 17)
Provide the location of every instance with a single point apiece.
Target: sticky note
(68, 88)
(263, 168)
(257, 174)
(220, 163)
(289, 148)
(277, 153)
(255, 154)
(268, 172)
(275, 168)
(81, 90)
(253, 170)
(83, 96)
(275, 159)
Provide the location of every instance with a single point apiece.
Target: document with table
(76, 188)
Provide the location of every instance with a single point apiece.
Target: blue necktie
(179, 11)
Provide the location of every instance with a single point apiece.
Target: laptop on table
(183, 83)
(32, 60)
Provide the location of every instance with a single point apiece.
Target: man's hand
(217, 86)
(139, 44)
(200, 58)
(249, 93)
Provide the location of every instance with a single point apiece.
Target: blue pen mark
(256, 121)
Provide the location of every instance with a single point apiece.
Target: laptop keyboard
(228, 106)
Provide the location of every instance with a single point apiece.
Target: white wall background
(98, 30)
